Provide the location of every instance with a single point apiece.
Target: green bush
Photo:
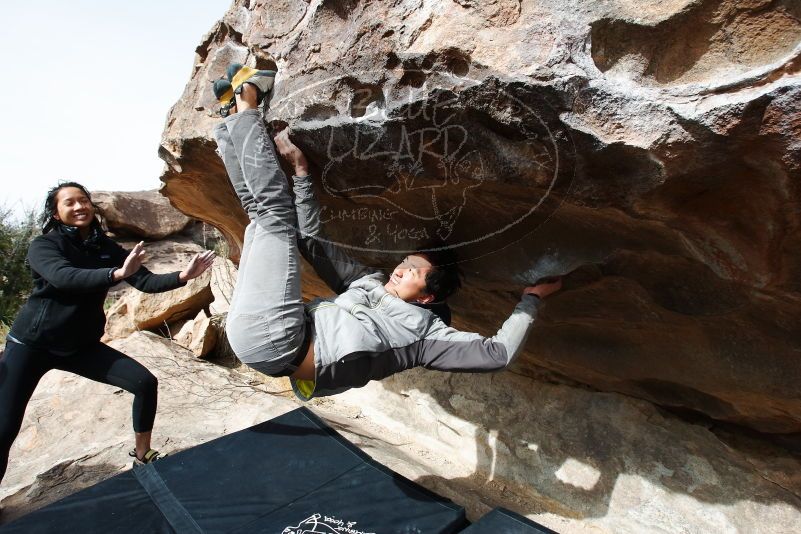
(15, 278)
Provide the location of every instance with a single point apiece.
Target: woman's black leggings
(21, 368)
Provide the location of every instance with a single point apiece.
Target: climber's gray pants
(266, 321)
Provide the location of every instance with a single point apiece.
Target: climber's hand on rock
(291, 153)
(544, 289)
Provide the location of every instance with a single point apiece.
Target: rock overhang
(672, 201)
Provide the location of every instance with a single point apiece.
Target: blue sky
(86, 88)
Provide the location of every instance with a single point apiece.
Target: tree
(15, 278)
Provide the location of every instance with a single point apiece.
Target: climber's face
(408, 280)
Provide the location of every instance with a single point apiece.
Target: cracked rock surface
(651, 149)
(575, 460)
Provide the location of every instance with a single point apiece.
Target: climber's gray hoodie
(366, 333)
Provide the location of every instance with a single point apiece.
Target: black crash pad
(290, 475)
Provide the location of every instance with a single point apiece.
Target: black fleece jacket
(71, 278)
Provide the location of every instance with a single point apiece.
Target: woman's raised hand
(197, 265)
(132, 262)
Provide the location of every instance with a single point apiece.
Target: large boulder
(580, 461)
(130, 310)
(152, 310)
(575, 460)
(198, 335)
(143, 214)
(652, 149)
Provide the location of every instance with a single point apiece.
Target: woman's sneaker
(262, 80)
(149, 457)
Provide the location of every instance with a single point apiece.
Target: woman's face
(74, 208)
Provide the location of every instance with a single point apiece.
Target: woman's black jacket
(70, 280)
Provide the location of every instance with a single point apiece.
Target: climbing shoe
(262, 80)
(149, 457)
(225, 96)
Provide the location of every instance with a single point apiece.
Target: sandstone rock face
(580, 461)
(652, 149)
(167, 255)
(131, 310)
(143, 214)
(575, 460)
(151, 310)
(223, 281)
(199, 335)
(119, 323)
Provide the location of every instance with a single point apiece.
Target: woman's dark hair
(445, 278)
(48, 220)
